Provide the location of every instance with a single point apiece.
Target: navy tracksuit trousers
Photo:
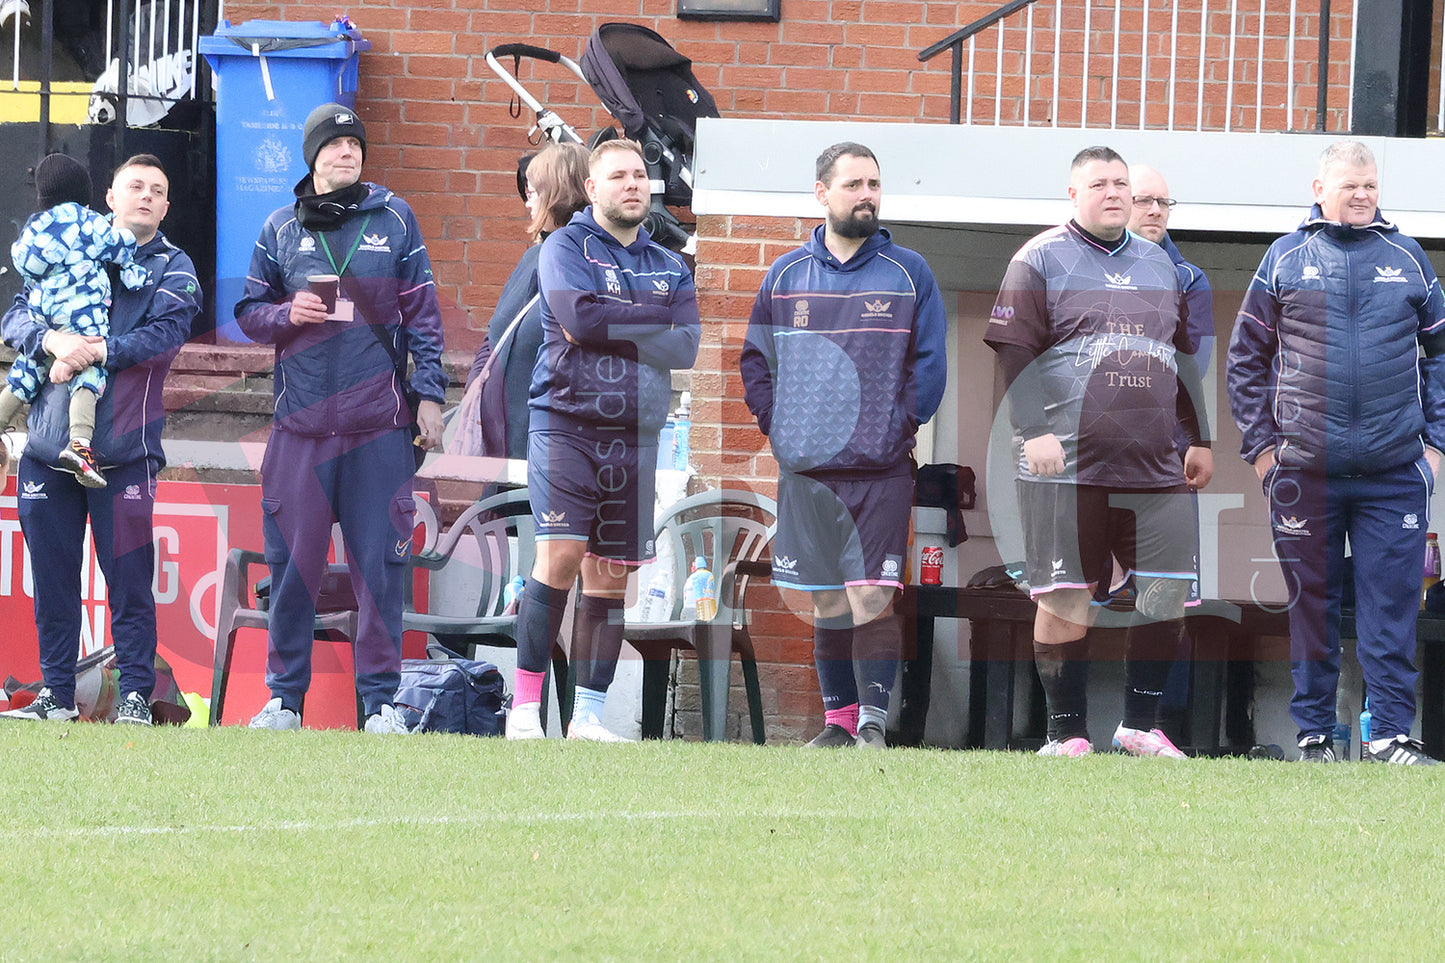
(1384, 517)
(363, 482)
(53, 509)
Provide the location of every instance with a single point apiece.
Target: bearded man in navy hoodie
(619, 312)
(844, 359)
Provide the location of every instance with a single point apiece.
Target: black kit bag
(447, 693)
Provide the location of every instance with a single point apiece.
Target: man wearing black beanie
(342, 449)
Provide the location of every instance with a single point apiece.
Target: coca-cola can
(930, 568)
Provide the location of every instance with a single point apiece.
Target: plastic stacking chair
(733, 530)
(241, 608)
(496, 543)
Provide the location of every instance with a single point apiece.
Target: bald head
(1151, 222)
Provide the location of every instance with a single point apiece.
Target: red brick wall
(440, 133)
(733, 255)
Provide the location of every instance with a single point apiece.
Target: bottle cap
(699, 562)
(1431, 535)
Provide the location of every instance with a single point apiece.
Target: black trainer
(1401, 751)
(870, 736)
(78, 459)
(133, 710)
(1317, 748)
(832, 737)
(45, 708)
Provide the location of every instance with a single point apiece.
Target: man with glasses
(1089, 339)
(1149, 218)
(1344, 421)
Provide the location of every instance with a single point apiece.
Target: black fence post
(1392, 69)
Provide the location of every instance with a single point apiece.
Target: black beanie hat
(325, 124)
(59, 178)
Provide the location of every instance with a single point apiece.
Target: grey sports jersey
(1103, 325)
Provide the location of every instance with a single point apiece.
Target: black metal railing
(1246, 30)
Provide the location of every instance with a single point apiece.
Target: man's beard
(861, 223)
(617, 215)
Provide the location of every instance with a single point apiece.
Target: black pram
(650, 88)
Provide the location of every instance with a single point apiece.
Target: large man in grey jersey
(1089, 334)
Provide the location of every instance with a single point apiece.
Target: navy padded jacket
(1323, 363)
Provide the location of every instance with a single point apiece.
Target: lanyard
(340, 271)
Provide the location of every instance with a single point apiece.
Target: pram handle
(525, 50)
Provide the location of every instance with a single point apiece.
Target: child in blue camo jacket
(62, 253)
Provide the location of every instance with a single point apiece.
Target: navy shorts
(1072, 533)
(594, 491)
(832, 534)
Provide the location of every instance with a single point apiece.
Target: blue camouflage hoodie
(62, 252)
(148, 325)
(844, 361)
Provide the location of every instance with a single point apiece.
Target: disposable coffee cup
(326, 287)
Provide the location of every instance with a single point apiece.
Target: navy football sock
(1151, 652)
(539, 619)
(833, 657)
(1064, 671)
(876, 646)
(597, 641)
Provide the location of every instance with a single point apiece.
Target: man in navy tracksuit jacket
(341, 449)
(148, 325)
(1344, 424)
(619, 312)
(844, 359)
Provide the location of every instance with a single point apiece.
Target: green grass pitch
(226, 844)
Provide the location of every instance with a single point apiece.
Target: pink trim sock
(847, 717)
(527, 687)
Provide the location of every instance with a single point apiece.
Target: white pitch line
(314, 826)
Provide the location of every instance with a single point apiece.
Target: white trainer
(591, 731)
(1146, 742)
(388, 722)
(275, 717)
(525, 722)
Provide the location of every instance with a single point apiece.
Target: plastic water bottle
(1432, 565)
(701, 591)
(654, 604)
(1342, 730)
(1365, 718)
(512, 594)
(682, 433)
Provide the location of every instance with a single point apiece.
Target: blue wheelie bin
(269, 75)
